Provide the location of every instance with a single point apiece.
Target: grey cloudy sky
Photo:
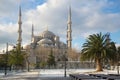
(88, 17)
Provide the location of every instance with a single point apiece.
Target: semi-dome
(26, 47)
(47, 34)
(45, 41)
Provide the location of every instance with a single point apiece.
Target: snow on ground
(15, 75)
(54, 73)
(60, 72)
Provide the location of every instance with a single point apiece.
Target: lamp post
(6, 58)
(65, 68)
(65, 64)
(118, 63)
(28, 62)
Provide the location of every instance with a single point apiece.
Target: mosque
(42, 44)
(47, 42)
(47, 39)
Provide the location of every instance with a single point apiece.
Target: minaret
(32, 35)
(69, 30)
(20, 28)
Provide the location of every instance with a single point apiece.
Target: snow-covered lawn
(54, 72)
(60, 72)
(14, 75)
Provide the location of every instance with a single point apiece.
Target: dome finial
(32, 34)
(46, 27)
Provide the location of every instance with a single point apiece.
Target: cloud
(8, 9)
(92, 18)
(7, 32)
(117, 45)
(86, 35)
(77, 46)
(88, 17)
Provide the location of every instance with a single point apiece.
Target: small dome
(47, 34)
(56, 38)
(45, 41)
(26, 47)
(45, 45)
(62, 45)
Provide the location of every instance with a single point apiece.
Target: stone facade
(41, 45)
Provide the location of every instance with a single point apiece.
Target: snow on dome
(45, 41)
(26, 47)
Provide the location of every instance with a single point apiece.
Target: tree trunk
(98, 65)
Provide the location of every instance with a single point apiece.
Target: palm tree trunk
(98, 65)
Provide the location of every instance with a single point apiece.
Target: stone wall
(76, 64)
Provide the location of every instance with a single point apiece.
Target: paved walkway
(54, 78)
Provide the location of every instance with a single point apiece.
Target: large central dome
(47, 34)
(45, 41)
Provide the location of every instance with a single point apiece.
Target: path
(55, 78)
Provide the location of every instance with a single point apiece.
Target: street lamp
(65, 59)
(6, 57)
(118, 63)
(27, 60)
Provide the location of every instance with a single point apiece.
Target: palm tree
(112, 57)
(96, 49)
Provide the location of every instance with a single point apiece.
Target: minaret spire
(32, 35)
(69, 14)
(20, 27)
(46, 27)
(69, 29)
